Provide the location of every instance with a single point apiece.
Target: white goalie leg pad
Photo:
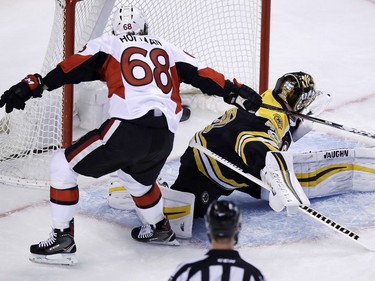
(333, 172)
(179, 210)
(118, 196)
(287, 192)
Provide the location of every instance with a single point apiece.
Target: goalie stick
(318, 120)
(305, 209)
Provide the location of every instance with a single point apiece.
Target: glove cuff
(236, 83)
(34, 81)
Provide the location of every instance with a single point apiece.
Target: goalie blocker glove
(252, 99)
(17, 95)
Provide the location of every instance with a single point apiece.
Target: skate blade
(58, 259)
(173, 242)
(166, 243)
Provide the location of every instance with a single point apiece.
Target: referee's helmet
(223, 220)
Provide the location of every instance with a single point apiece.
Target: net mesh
(224, 35)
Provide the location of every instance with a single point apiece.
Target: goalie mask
(297, 89)
(129, 20)
(223, 220)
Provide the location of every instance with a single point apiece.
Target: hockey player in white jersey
(143, 73)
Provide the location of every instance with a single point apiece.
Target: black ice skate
(160, 233)
(59, 248)
(186, 112)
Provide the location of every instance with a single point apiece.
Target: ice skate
(186, 112)
(160, 233)
(59, 248)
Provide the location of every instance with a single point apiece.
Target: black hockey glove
(17, 95)
(252, 99)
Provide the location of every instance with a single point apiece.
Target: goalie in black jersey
(257, 144)
(253, 141)
(245, 139)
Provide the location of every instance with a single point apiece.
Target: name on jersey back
(132, 38)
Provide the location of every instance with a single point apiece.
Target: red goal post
(232, 36)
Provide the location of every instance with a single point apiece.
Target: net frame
(29, 138)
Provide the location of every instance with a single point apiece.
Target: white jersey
(142, 72)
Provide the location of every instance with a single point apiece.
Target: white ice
(334, 41)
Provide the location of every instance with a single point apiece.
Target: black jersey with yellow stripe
(243, 139)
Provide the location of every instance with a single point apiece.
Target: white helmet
(129, 20)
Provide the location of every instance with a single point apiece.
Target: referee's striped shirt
(217, 265)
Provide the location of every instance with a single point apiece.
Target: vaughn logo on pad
(336, 154)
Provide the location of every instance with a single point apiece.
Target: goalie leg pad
(178, 206)
(179, 210)
(332, 172)
(286, 190)
(119, 197)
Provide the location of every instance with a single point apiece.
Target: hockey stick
(317, 120)
(305, 209)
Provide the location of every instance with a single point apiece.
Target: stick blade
(366, 243)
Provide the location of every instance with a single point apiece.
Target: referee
(221, 262)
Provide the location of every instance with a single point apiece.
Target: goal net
(225, 35)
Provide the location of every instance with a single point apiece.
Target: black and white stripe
(217, 265)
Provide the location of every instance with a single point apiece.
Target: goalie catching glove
(252, 99)
(17, 95)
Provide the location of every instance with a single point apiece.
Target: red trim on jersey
(87, 143)
(97, 136)
(213, 75)
(176, 89)
(106, 128)
(68, 196)
(150, 199)
(72, 62)
(112, 74)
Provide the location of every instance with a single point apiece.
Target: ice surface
(333, 40)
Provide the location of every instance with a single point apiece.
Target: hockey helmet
(223, 220)
(129, 20)
(297, 89)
